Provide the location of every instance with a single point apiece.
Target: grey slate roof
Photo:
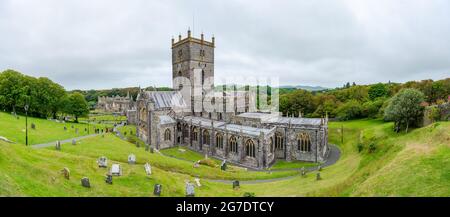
(165, 119)
(277, 119)
(166, 99)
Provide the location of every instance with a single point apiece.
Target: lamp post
(26, 123)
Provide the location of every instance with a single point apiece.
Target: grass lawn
(104, 117)
(413, 164)
(46, 131)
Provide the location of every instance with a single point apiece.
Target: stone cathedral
(239, 136)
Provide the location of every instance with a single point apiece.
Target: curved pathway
(333, 157)
(44, 145)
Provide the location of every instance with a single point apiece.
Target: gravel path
(44, 145)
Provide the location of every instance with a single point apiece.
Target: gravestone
(58, 145)
(66, 173)
(236, 184)
(197, 164)
(116, 170)
(157, 190)
(152, 150)
(223, 166)
(74, 142)
(131, 159)
(148, 169)
(65, 128)
(319, 167)
(318, 177)
(85, 182)
(197, 181)
(190, 190)
(102, 162)
(33, 126)
(303, 171)
(109, 179)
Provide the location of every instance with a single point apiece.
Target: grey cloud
(105, 44)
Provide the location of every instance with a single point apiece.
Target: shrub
(349, 110)
(372, 147)
(249, 194)
(360, 147)
(208, 162)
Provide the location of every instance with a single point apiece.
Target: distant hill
(303, 87)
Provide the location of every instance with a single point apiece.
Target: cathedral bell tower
(189, 54)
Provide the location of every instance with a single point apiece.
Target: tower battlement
(192, 39)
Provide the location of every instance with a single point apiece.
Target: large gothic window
(167, 135)
(250, 148)
(278, 141)
(233, 144)
(206, 137)
(303, 142)
(219, 141)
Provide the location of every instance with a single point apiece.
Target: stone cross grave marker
(85, 182)
(131, 159)
(148, 169)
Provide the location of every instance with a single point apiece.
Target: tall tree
(77, 105)
(405, 108)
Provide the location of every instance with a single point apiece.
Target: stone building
(252, 139)
(115, 104)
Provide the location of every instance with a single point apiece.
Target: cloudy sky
(96, 44)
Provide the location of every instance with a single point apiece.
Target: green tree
(405, 109)
(377, 90)
(77, 105)
(349, 110)
(11, 89)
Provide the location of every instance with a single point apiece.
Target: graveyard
(413, 163)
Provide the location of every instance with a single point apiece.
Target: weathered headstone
(318, 177)
(197, 164)
(236, 184)
(74, 142)
(66, 173)
(85, 182)
(157, 190)
(197, 181)
(131, 159)
(33, 126)
(116, 170)
(148, 169)
(102, 162)
(109, 179)
(303, 171)
(58, 145)
(223, 165)
(190, 190)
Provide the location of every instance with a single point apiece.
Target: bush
(371, 109)
(249, 194)
(360, 147)
(405, 109)
(349, 110)
(208, 162)
(372, 147)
